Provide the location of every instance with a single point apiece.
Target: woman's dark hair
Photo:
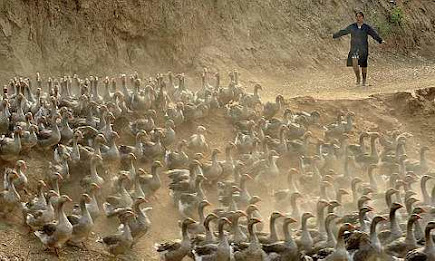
(359, 13)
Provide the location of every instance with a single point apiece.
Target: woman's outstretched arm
(342, 32)
(374, 34)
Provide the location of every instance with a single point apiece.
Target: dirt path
(339, 82)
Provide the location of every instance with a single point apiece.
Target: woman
(359, 47)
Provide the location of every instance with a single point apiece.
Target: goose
(39, 202)
(176, 114)
(228, 165)
(21, 183)
(4, 117)
(337, 129)
(121, 200)
(178, 158)
(273, 235)
(244, 197)
(66, 132)
(147, 124)
(214, 170)
(197, 141)
(151, 184)
(271, 109)
(169, 133)
(11, 147)
(94, 177)
(55, 235)
(187, 203)
(62, 168)
(176, 251)
(340, 252)
(108, 95)
(418, 230)
(220, 251)
(111, 153)
(138, 191)
(209, 236)
(154, 149)
(321, 206)
(36, 218)
(9, 198)
(330, 241)
(29, 138)
(140, 225)
(399, 248)
(428, 251)
(238, 233)
(74, 151)
(122, 241)
(254, 251)
(305, 243)
(395, 231)
(92, 206)
(82, 224)
(287, 249)
(252, 99)
(423, 184)
(420, 167)
(48, 138)
(199, 228)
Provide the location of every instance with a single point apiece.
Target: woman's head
(359, 17)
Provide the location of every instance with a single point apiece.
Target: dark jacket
(359, 41)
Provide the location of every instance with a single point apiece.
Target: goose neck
(429, 245)
(272, 227)
(409, 232)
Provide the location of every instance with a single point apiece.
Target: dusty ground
(379, 112)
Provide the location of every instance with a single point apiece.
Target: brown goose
(48, 138)
(428, 251)
(198, 227)
(120, 243)
(395, 232)
(176, 251)
(400, 247)
(287, 249)
(340, 253)
(220, 251)
(140, 225)
(254, 251)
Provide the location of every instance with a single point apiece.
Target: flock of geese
(332, 199)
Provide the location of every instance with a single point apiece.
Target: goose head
(254, 200)
(86, 198)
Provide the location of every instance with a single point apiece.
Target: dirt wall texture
(94, 36)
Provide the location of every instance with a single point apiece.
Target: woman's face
(359, 18)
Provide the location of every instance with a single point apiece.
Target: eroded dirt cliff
(93, 36)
